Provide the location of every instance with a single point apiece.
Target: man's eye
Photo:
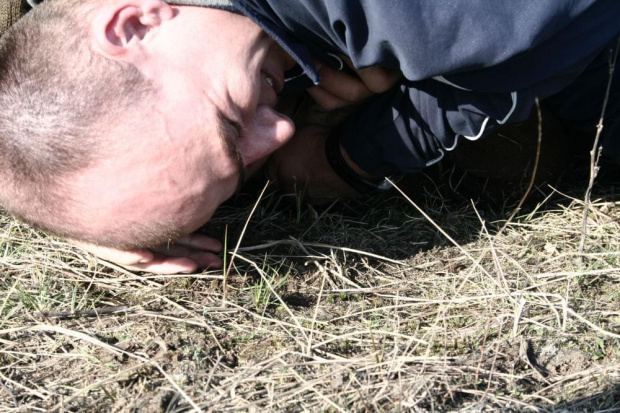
(238, 129)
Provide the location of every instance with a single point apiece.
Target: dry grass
(350, 308)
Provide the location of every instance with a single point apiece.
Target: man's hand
(339, 89)
(301, 165)
(185, 255)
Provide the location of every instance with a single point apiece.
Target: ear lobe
(119, 29)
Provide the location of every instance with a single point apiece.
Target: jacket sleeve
(465, 76)
(412, 126)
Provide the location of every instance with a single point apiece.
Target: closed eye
(230, 132)
(238, 129)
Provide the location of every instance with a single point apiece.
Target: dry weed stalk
(534, 170)
(234, 253)
(595, 153)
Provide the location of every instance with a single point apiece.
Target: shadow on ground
(458, 202)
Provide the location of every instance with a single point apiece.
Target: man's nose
(270, 130)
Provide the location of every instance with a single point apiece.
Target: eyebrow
(229, 132)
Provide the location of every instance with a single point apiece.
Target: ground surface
(354, 307)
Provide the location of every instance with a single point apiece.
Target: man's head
(128, 122)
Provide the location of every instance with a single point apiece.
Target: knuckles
(378, 79)
(332, 104)
(342, 89)
(357, 92)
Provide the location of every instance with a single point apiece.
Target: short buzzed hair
(57, 98)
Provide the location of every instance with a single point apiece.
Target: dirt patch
(561, 362)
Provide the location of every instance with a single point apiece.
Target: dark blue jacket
(469, 65)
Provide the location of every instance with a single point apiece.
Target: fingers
(343, 85)
(199, 249)
(186, 255)
(327, 100)
(339, 89)
(189, 244)
(201, 257)
(377, 79)
(201, 242)
(163, 264)
(166, 266)
(120, 257)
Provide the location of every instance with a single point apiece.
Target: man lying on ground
(126, 123)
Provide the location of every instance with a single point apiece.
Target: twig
(21, 386)
(518, 315)
(318, 245)
(595, 153)
(316, 310)
(591, 324)
(533, 177)
(10, 393)
(125, 309)
(245, 227)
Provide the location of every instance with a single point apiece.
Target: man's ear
(118, 29)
